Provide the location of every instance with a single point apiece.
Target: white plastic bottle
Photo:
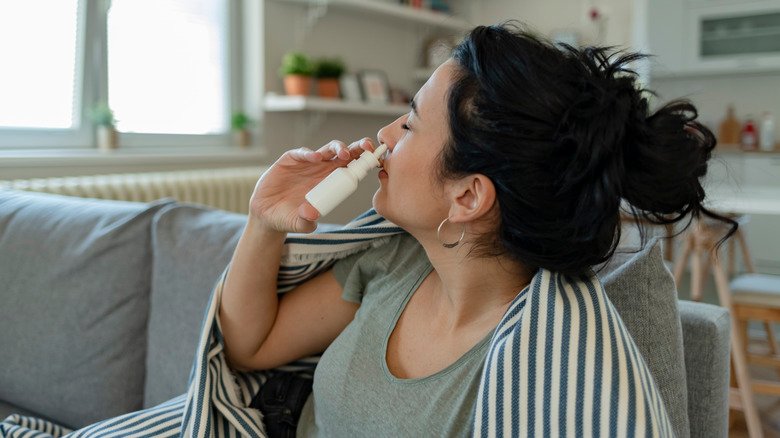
(343, 181)
(766, 133)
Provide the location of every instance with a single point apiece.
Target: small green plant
(296, 63)
(240, 121)
(103, 116)
(329, 68)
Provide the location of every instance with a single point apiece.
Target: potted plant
(328, 71)
(297, 70)
(240, 123)
(105, 125)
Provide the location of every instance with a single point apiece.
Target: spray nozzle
(379, 154)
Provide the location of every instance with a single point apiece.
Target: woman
(513, 161)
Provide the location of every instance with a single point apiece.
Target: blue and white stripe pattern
(567, 367)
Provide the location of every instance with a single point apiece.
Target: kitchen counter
(736, 149)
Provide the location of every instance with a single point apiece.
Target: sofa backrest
(83, 281)
(74, 289)
(192, 245)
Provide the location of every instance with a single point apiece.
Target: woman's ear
(472, 198)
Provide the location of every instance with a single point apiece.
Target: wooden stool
(739, 239)
(700, 247)
(699, 240)
(756, 297)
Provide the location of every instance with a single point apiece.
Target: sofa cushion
(74, 282)
(191, 247)
(643, 291)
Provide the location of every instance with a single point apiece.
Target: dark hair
(565, 136)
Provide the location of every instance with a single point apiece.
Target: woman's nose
(382, 137)
(387, 134)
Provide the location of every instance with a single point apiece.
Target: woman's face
(409, 196)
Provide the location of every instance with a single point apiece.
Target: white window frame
(91, 87)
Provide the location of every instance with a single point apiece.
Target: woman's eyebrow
(413, 104)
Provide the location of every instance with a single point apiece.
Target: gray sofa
(102, 302)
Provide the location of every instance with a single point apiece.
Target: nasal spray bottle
(343, 181)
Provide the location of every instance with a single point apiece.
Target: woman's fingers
(305, 154)
(358, 147)
(334, 149)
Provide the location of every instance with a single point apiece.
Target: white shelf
(390, 10)
(276, 103)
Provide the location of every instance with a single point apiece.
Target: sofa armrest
(706, 331)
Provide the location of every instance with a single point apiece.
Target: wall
(390, 45)
(750, 95)
(549, 16)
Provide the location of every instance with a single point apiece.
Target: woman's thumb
(307, 217)
(308, 212)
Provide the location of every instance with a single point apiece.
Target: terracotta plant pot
(297, 85)
(328, 88)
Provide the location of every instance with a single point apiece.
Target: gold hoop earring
(453, 244)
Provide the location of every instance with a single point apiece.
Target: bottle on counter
(749, 137)
(729, 129)
(767, 133)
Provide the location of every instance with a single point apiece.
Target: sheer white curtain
(38, 50)
(168, 66)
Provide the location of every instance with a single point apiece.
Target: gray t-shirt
(355, 393)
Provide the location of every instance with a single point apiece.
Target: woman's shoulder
(391, 253)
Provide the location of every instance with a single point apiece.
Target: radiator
(227, 188)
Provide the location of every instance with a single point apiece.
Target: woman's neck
(473, 292)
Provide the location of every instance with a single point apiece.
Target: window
(162, 66)
(38, 78)
(166, 66)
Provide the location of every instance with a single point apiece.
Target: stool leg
(696, 275)
(732, 250)
(745, 253)
(737, 352)
(705, 274)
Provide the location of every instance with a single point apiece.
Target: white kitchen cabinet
(740, 36)
(711, 37)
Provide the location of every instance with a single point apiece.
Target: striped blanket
(560, 363)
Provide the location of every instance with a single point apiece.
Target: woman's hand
(278, 201)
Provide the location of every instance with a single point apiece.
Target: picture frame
(375, 86)
(350, 88)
